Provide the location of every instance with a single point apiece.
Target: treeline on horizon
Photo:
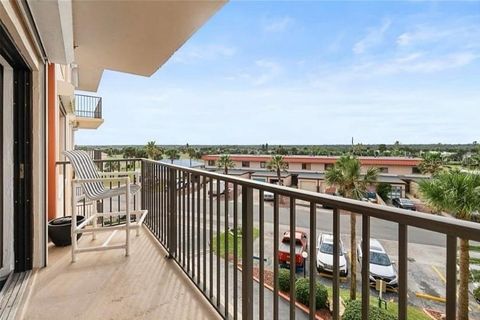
(455, 152)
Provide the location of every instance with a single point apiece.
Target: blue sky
(308, 73)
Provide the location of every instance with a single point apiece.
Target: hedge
(302, 291)
(284, 280)
(353, 311)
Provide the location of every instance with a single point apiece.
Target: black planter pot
(59, 230)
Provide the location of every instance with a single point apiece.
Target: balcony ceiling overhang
(132, 36)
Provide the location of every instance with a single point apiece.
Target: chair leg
(94, 210)
(73, 235)
(127, 211)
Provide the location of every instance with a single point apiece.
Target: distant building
(390, 165)
(308, 172)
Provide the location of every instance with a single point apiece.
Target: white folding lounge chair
(92, 182)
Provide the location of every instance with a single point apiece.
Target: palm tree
(225, 163)
(458, 193)
(192, 154)
(432, 163)
(152, 150)
(172, 154)
(351, 183)
(277, 164)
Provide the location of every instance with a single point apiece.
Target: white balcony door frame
(6, 225)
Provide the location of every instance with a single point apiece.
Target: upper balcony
(88, 111)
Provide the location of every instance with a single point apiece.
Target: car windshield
(285, 245)
(327, 248)
(379, 258)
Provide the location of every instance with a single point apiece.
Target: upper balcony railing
(88, 106)
(226, 239)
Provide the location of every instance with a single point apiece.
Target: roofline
(394, 161)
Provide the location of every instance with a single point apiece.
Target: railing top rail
(460, 228)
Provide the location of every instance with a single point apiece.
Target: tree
(432, 163)
(458, 193)
(346, 176)
(172, 154)
(225, 163)
(277, 164)
(472, 162)
(383, 190)
(192, 154)
(152, 150)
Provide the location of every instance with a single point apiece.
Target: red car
(301, 244)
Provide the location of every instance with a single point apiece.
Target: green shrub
(284, 279)
(353, 311)
(302, 292)
(476, 293)
(383, 189)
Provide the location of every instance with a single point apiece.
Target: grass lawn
(392, 307)
(221, 250)
(474, 260)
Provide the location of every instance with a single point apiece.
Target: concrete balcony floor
(108, 285)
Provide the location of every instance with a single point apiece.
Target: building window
(416, 170)
(263, 164)
(328, 166)
(383, 170)
(211, 163)
(245, 164)
(306, 166)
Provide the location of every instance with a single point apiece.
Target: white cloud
(373, 38)
(207, 52)
(268, 71)
(278, 25)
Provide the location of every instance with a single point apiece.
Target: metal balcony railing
(88, 106)
(189, 209)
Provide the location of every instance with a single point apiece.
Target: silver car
(325, 255)
(381, 267)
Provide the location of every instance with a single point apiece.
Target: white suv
(325, 255)
(381, 267)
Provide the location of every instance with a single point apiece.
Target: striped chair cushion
(86, 169)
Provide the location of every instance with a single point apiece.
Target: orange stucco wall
(52, 139)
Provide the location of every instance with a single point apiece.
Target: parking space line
(440, 275)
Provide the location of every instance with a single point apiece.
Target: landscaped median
(230, 238)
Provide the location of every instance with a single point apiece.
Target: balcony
(88, 111)
(207, 223)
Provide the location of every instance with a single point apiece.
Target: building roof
(377, 161)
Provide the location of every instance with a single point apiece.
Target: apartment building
(308, 172)
(390, 165)
(49, 49)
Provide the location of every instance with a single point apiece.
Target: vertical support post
(313, 259)
(276, 223)
(293, 266)
(451, 305)
(336, 265)
(247, 253)
(402, 271)
(172, 187)
(365, 265)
